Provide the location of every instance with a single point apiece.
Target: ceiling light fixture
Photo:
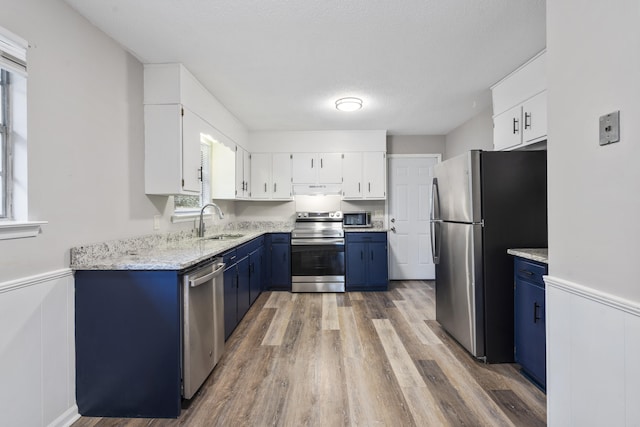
(349, 104)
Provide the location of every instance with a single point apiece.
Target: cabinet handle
(515, 124)
(369, 187)
(359, 188)
(265, 187)
(536, 306)
(361, 255)
(200, 173)
(311, 163)
(527, 120)
(527, 272)
(321, 165)
(274, 187)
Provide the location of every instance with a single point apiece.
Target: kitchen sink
(224, 237)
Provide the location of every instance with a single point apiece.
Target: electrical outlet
(156, 222)
(610, 128)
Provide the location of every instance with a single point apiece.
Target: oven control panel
(319, 216)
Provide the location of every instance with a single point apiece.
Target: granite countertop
(534, 254)
(374, 229)
(172, 251)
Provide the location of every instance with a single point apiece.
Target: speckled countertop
(175, 251)
(169, 251)
(534, 254)
(366, 230)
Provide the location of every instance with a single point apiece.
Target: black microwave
(356, 219)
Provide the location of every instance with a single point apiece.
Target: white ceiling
(422, 67)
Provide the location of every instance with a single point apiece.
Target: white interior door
(409, 195)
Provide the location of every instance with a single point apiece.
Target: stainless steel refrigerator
(482, 203)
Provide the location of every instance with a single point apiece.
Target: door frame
(436, 156)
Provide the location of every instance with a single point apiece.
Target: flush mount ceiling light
(349, 104)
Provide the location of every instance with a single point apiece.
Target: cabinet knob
(393, 229)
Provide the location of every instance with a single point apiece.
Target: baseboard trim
(67, 418)
(610, 300)
(24, 282)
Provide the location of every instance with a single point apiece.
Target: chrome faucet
(201, 226)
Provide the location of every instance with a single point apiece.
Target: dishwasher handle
(200, 280)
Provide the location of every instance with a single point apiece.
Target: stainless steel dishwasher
(203, 324)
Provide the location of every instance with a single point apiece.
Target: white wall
(593, 53)
(86, 169)
(317, 141)
(474, 134)
(416, 144)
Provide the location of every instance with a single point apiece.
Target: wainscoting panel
(593, 349)
(37, 355)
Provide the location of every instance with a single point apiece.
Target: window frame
(15, 223)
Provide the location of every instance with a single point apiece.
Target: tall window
(185, 204)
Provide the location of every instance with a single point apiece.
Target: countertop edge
(533, 254)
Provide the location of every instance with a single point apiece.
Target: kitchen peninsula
(130, 308)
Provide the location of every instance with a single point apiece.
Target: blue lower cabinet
(256, 273)
(530, 336)
(279, 261)
(128, 330)
(244, 298)
(367, 266)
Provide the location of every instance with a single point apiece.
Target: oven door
(317, 265)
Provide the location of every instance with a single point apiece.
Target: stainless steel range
(317, 252)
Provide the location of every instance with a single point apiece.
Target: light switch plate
(610, 128)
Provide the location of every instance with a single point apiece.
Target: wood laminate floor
(353, 359)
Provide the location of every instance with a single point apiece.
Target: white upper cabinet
(364, 175)
(243, 173)
(520, 106)
(317, 168)
(281, 176)
(271, 176)
(172, 150)
(261, 175)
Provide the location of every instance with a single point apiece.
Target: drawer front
(280, 238)
(366, 237)
(229, 257)
(530, 270)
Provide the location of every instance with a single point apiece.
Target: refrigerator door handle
(434, 200)
(434, 219)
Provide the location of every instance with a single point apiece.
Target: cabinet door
(356, 254)
(304, 168)
(192, 126)
(261, 175)
(246, 172)
(507, 129)
(329, 168)
(165, 165)
(230, 300)
(240, 184)
(375, 175)
(280, 266)
(352, 175)
(255, 274)
(534, 115)
(378, 270)
(281, 176)
(244, 297)
(530, 329)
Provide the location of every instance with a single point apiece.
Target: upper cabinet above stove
(317, 168)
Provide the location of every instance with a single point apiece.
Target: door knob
(393, 229)
(393, 220)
